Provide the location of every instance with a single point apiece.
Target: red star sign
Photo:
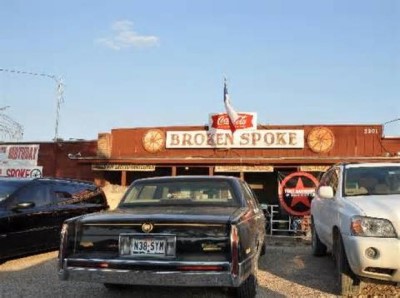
(300, 193)
(299, 201)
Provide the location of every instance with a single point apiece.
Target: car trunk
(188, 234)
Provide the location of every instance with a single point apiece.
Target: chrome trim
(152, 277)
(145, 262)
(155, 224)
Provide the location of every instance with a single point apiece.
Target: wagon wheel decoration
(320, 139)
(153, 140)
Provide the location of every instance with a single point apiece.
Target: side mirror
(325, 192)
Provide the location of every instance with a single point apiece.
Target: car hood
(165, 214)
(380, 206)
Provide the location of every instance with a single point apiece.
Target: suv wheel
(347, 281)
(317, 247)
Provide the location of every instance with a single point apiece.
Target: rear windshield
(382, 180)
(180, 193)
(8, 187)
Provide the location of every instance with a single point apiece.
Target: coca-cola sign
(246, 121)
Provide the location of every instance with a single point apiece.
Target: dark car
(204, 231)
(32, 211)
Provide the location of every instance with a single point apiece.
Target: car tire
(248, 288)
(318, 249)
(347, 282)
(263, 248)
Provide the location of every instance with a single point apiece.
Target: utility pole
(59, 90)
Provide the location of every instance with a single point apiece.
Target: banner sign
(21, 171)
(26, 155)
(314, 168)
(123, 167)
(244, 168)
(274, 138)
(246, 121)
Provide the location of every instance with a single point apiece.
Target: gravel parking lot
(285, 271)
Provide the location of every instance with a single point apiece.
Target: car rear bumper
(153, 277)
(385, 266)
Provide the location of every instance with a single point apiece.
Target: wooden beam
(123, 178)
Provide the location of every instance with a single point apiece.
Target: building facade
(282, 164)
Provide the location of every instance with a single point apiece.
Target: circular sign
(36, 173)
(153, 140)
(296, 192)
(320, 139)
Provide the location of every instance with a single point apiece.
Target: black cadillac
(32, 211)
(173, 231)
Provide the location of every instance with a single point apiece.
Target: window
(372, 180)
(38, 193)
(179, 191)
(249, 196)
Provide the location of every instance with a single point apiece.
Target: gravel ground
(285, 271)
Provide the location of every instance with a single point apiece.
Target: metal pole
(60, 100)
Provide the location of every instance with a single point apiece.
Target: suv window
(372, 180)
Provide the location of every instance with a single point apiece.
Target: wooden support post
(211, 171)
(173, 170)
(123, 178)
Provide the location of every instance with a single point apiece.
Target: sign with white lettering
(123, 167)
(26, 155)
(274, 138)
(234, 168)
(21, 171)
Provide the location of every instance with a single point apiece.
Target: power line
(59, 88)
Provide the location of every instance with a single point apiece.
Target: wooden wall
(350, 141)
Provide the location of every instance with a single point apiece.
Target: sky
(131, 63)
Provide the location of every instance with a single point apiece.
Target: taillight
(235, 250)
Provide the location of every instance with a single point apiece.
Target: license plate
(142, 245)
(148, 246)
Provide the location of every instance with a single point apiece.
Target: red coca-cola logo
(221, 121)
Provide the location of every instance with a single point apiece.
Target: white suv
(356, 215)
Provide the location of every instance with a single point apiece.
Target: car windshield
(180, 193)
(374, 180)
(7, 187)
